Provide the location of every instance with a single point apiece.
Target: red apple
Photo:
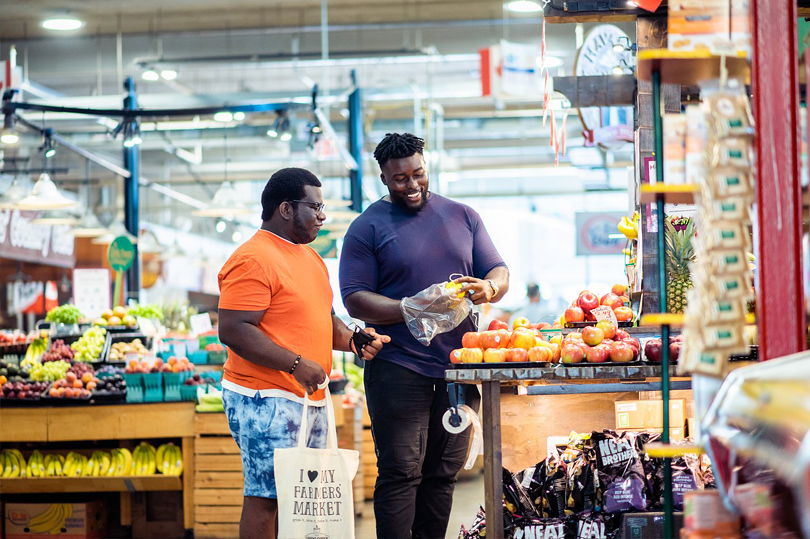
(619, 289)
(574, 314)
(471, 339)
(592, 335)
(472, 355)
(587, 301)
(455, 355)
(612, 300)
(555, 352)
(674, 351)
(652, 350)
(522, 338)
(494, 355)
(632, 341)
(516, 355)
(607, 327)
(542, 325)
(504, 337)
(621, 352)
(571, 353)
(521, 322)
(623, 314)
(489, 339)
(574, 336)
(540, 353)
(497, 324)
(598, 354)
(621, 334)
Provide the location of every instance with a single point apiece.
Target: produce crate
(188, 393)
(198, 357)
(134, 387)
(216, 375)
(172, 382)
(205, 340)
(217, 357)
(152, 387)
(113, 338)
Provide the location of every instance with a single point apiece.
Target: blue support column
(356, 147)
(132, 161)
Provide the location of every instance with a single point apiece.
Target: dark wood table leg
(493, 463)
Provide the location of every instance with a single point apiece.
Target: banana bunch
(169, 459)
(51, 521)
(121, 462)
(35, 351)
(629, 227)
(75, 465)
(36, 465)
(54, 465)
(13, 463)
(144, 460)
(98, 464)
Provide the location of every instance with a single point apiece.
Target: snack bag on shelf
(621, 474)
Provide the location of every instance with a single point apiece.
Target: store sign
(31, 297)
(604, 126)
(510, 70)
(594, 231)
(121, 253)
(20, 239)
(91, 291)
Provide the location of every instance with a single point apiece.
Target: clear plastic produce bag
(436, 309)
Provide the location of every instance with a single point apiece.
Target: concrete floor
(469, 495)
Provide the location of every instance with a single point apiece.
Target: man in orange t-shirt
(276, 317)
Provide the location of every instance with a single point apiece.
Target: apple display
(574, 314)
(523, 338)
(623, 314)
(516, 355)
(521, 322)
(540, 354)
(495, 355)
(598, 354)
(587, 301)
(571, 353)
(471, 339)
(607, 327)
(621, 352)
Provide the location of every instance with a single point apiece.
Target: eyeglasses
(317, 206)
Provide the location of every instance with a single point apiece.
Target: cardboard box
(55, 521)
(649, 414)
(676, 434)
(674, 149)
(691, 427)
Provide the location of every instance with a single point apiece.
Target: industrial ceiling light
(221, 225)
(238, 116)
(9, 134)
(236, 236)
(17, 191)
(280, 126)
(57, 217)
(115, 229)
(89, 226)
(286, 137)
(224, 204)
(150, 75)
(48, 147)
(523, 6)
(224, 116)
(132, 134)
(149, 243)
(168, 74)
(45, 196)
(62, 24)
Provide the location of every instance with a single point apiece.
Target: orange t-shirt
(290, 283)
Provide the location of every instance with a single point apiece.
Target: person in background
(276, 318)
(400, 245)
(534, 309)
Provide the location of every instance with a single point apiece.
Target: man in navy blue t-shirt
(401, 244)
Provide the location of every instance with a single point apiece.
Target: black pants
(417, 459)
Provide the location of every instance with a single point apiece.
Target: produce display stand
(555, 380)
(130, 422)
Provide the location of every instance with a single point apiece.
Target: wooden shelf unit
(41, 485)
(673, 194)
(689, 68)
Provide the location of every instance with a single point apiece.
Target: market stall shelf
(689, 68)
(673, 194)
(41, 485)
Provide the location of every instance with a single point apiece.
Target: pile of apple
(580, 310)
(499, 345)
(599, 344)
(652, 349)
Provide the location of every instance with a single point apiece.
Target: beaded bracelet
(295, 363)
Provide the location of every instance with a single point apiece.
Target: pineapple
(679, 253)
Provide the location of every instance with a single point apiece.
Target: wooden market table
(552, 380)
(104, 422)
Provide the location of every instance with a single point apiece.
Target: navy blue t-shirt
(396, 253)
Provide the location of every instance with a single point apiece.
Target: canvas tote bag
(315, 485)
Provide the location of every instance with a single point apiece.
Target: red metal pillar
(780, 302)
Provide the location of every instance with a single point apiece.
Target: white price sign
(604, 312)
(200, 323)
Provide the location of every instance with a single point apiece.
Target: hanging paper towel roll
(468, 417)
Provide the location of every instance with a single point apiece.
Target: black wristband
(359, 339)
(295, 363)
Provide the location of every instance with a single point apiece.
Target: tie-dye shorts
(260, 425)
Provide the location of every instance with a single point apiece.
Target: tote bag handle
(331, 430)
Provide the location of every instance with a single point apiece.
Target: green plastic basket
(217, 357)
(152, 387)
(134, 387)
(172, 382)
